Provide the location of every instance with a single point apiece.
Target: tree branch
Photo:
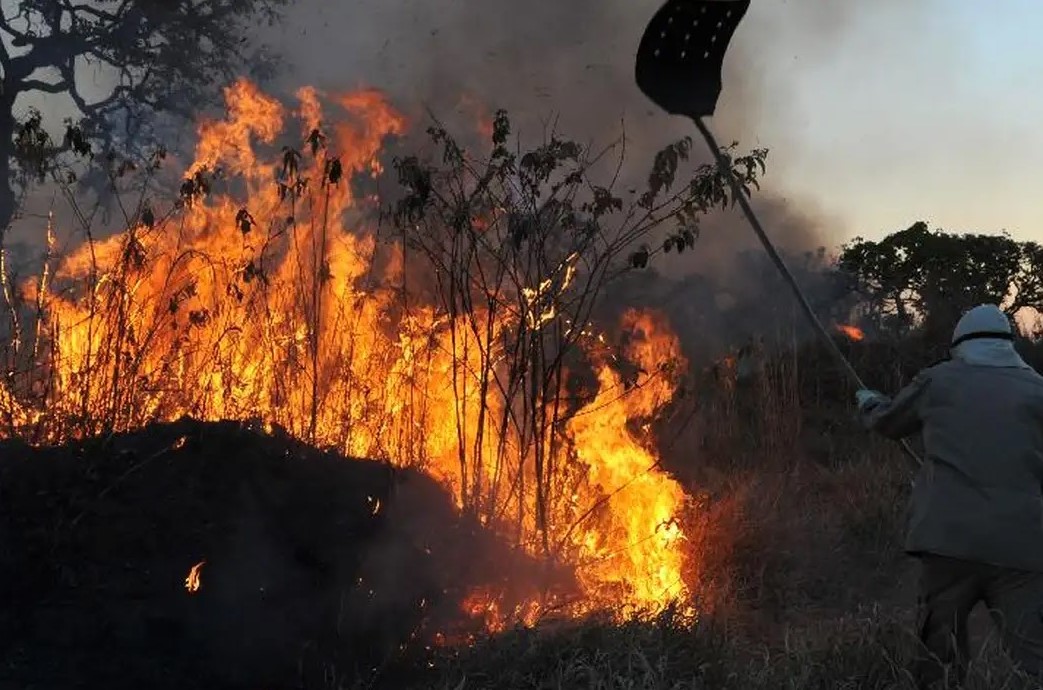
(5, 25)
(46, 87)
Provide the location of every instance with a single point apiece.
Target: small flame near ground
(192, 582)
(852, 332)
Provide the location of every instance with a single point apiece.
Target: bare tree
(157, 56)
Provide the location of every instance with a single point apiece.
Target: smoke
(570, 65)
(568, 62)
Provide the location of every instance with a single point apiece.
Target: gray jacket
(979, 494)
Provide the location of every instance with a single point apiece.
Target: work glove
(867, 398)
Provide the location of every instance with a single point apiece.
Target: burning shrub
(270, 291)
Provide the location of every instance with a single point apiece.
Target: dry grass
(811, 592)
(805, 582)
(868, 648)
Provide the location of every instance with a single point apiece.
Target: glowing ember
(192, 582)
(852, 332)
(267, 296)
(484, 121)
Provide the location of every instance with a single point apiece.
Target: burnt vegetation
(305, 561)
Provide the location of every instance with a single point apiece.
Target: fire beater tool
(679, 64)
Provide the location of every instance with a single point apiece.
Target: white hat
(983, 321)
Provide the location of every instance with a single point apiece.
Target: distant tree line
(922, 280)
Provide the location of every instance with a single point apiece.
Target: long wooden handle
(740, 197)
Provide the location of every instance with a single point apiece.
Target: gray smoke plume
(571, 64)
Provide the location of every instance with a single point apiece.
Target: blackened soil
(317, 568)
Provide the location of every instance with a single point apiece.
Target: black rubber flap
(681, 54)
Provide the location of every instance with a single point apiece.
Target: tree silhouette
(918, 278)
(158, 55)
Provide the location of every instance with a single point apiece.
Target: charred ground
(313, 564)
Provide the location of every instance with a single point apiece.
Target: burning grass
(852, 332)
(452, 344)
(801, 552)
(267, 292)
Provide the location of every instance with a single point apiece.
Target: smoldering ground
(306, 558)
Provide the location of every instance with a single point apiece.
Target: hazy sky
(877, 113)
(934, 114)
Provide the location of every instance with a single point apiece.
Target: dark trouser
(949, 590)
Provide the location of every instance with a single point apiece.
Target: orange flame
(852, 332)
(642, 530)
(275, 301)
(192, 582)
(483, 121)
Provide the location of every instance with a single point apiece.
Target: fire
(640, 529)
(192, 582)
(268, 296)
(483, 120)
(852, 332)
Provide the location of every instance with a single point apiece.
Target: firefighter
(976, 512)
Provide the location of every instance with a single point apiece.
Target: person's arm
(899, 417)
